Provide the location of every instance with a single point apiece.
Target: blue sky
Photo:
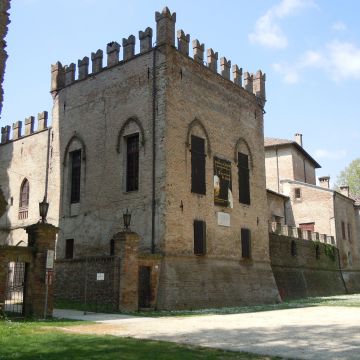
(309, 50)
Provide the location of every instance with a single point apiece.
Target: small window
(24, 199)
(199, 237)
(244, 178)
(75, 158)
(69, 249)
(245, 244)
(293, 248)
(132, 162)
(112, 247)
(198, 184)
(349, 232)
(297, 193)
(343, 232)
(317, 252)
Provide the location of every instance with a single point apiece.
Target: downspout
(153, 152)
(337, 248)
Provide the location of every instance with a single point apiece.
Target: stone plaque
(223, 219)
(50, 259)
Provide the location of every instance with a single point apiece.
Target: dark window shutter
(132, 163)
(69, 249)
(293, 248)
(199, 237)
(75, 157)
(198, 165)
(244, 178)
(112, 247)
(245, 244)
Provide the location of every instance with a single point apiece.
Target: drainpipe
(337, 248)
(153, 153)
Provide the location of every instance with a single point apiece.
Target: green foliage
(330, 251)
(42, 340)
(350, 176)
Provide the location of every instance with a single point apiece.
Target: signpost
(49, 269)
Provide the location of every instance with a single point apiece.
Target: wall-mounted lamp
(43, 210)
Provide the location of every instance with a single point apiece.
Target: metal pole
(46, 293)
(85, 289)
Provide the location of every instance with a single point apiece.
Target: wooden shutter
(75, 157)
(198, 165)
(199, 237)
(245, 243)
(132, 163)
(244, 178)
(69, 249)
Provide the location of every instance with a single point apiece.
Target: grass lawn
(36, 340)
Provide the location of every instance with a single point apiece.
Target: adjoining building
(331, 214)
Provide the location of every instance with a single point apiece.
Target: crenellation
(145, 38)
(69, 74)
(57, 77)
(97, 61)
(248, 81)
(212, 58)
(198, 51)
(225, 66)
(5, 134)
(83, 68)
(165, 27)
(17, 130)
(29, 125)
(183, 42)
(259, 85)
(128, 47)
(112, 51)
(42, 120)
(237, 75)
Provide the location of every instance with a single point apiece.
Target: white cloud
(332, 155)
(344, 60)
(340, 60)
(339, 26)
(268, 32)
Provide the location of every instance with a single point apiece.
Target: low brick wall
(352, 280)
(202, 282)
(304, 274)
(77, 280)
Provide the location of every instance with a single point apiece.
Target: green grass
(339, 300)
(32, 340)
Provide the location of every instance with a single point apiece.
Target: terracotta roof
(273, 142)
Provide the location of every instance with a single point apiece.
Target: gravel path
(319, 333)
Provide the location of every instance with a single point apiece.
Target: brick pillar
(41, 237)
(126, 246)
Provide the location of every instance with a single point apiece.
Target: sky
(309, 50)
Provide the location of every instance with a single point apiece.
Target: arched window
(24, 199)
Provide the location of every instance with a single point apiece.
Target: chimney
(298, 139)
(344, 190)
(324, 182)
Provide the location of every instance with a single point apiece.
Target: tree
(350, 176)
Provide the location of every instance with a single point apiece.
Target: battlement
(28, 128)
(62, 76)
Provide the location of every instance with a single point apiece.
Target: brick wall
(304, 275)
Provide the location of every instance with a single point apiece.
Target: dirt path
(319, 333)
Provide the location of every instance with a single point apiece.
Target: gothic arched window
(24, 199)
